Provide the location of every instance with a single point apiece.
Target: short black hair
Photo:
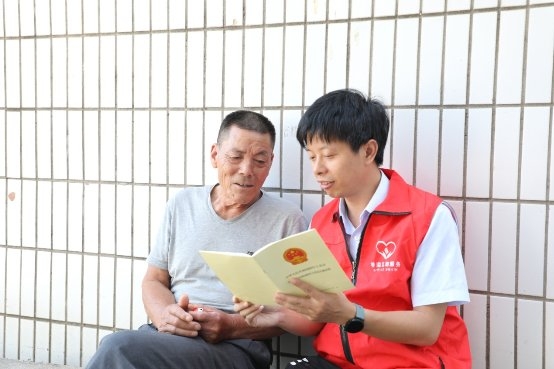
(249, 120)
(346, 115)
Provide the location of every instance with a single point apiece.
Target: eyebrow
(237, 151)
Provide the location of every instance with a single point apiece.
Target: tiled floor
(14, 364)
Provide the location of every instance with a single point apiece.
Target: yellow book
(257, 277)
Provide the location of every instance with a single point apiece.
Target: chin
(332, 194)
(246, 197)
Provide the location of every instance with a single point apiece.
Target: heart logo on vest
(386, 249)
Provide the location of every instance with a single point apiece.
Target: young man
(193, 323)
(399, 244)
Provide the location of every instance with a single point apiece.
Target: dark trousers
(147, 348)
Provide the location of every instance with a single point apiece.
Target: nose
(317, 166)
(246, 167)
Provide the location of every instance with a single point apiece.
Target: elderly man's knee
(119, 341)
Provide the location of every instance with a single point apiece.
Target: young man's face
(339, 171)
(243, 160)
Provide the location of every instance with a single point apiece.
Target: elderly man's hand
(177, 320)
(216, 325)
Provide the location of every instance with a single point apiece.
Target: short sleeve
(439, 274)
(158, 255)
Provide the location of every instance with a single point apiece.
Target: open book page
(258, 277)
(242, 275)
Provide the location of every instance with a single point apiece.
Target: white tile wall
(503, 247)
(109, 107)
(454, 84)
(359, 63)
(506, 153)
(529, 344)
(540, 45)
(451, 155)
(482, 62)
(550, 257)
(291, 151)
(315, 62)
(549, 336)
(430, 60)
(427, 150)
(405, 68)
(477, 321)
(534, 154)
(532, 236)
(382, 60)
(336, 57)
(502, 337)
(510, 56)
(477, 255)
(403, 142)
(293, 65)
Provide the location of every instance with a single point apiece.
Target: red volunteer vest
(386, 260)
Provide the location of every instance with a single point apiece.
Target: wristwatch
(356, 324)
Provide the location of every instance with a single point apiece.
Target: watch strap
(360, 312)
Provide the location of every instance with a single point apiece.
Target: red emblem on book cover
(295, 255)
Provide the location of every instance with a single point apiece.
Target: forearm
(156, 297)
(298, 324)
(417, 327)
(240, 329)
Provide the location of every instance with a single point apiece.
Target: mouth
(245, 185)
(325, 184)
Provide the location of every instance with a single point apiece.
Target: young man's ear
(370, 149)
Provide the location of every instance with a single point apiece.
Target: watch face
(354, 325)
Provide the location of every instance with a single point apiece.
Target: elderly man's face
(243, 160)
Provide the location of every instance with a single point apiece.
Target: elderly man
(193, 323)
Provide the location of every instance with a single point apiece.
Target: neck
(356, 204)
(228, 208)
